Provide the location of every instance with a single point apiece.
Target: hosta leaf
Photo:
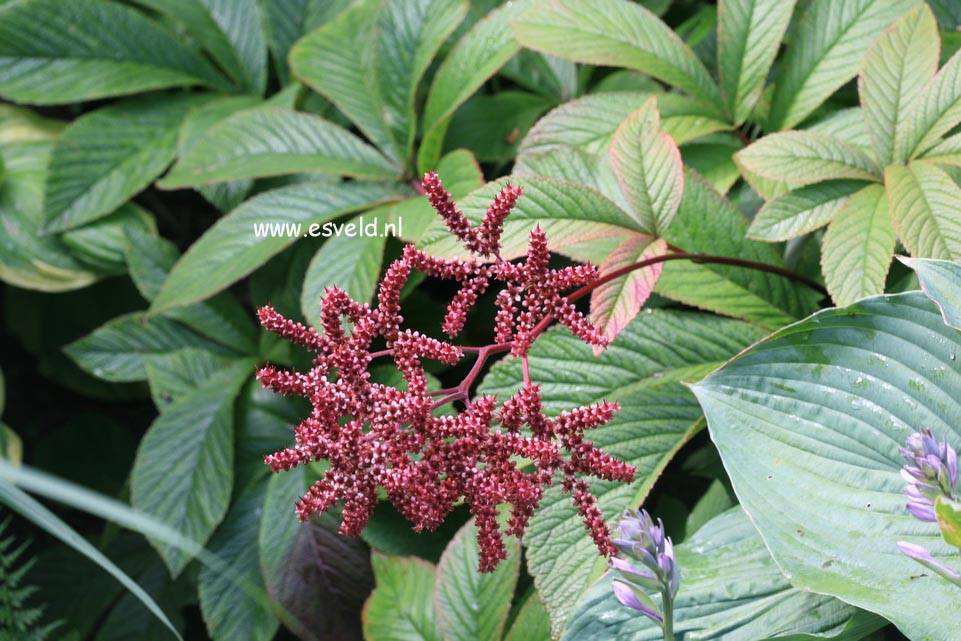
(469, 605)
(616, 33)
(233, 248)
(808, 424)
(578, 220)
(731, 589)
(641, 370)
(53, 52)
(802, 210)
(857, 248)
(924, 204)
(803, 157)
(939, 109)
(401, 607)
(707, 222)
(230, 611)
(184, 467)
(949, 520)
(939, 280)
(825, 52)
(287, 20)
(748, 33)
(532, 622)
(350, 263)
(273, 141)
(476, 57)
(104, 158)
(318, 576)
(895, 70)
(648, 168)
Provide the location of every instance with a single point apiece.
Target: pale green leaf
(234, 247)
(949, 520)
(54, 52)
(939, 109)
(825, 52)
(731, 590)
(946, 152)
(924, 202)
(184, 467)
(804, 157)
(274, 141)
(802, 210)
(808, 424)
(469, 605)
(616, 33)
(748, 33)
(857, 248)
(939, 280)
(401, 607)
(895, 70)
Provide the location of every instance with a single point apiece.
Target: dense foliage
(701, 259)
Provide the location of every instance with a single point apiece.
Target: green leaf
(532, 622)
(938, 111)
(641, 370)
(801, 211)
(229, 610)
(924, 202)
(825, 52)
(748, 34)
(176, 374)
(707, 222)
(476, 57)
(946, 152)
(949, 520)
(616, 33)
(711, 157)
(731, 589)
(30, 509)
(350, 263)
(274, 141)
(471, 606)
(233, 247)
(115, 351)
(492, 126)
(808, 424)
(101, 243)
(401, 607)
(648, 168)
(287, 20)
(804, 157)
(53, 52)
(895, 71)
(939, 280)
(184, 467)
(857, 248)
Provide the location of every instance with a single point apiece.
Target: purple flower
(931, 471)
(628, 596)
(922, 556)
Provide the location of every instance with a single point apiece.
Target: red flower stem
(527, 372)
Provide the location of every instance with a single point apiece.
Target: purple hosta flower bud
(635, 600)
(924, 557)
(931, 471)
(640, 539)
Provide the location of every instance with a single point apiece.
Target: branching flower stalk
(376, 436)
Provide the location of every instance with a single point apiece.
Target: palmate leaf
(802, 210)
(804, 157)
(924, 203)
(825, 52)
(731, 590)
(616, 33)
(808, 424)
(939, 280)
(641, 370)
(938, 111)
(895, 70)
(53, 52)
(748, 35)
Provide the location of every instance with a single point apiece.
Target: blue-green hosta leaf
(939, 280)
(469, 605)
(229, 611)
(825, 52)
(924, 202)
(857, 247)
(731, 590)
(749, 33)
(183, 473)
(616, 33)
(274, 141)
(896, 68)
(808, 423)
(234, 247)
(401, 607)
(54, 52)
(641, 370)
(804, 157)
(802, 210)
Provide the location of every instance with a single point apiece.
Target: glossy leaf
(401, 607)
(732, 590)
(857, 248)
(924, 201)
(804, 157)
(53, 52)
(232, 248)
(802, 210)
(808, 424)
(183, 471)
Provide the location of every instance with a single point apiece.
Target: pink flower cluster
(377, 436)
